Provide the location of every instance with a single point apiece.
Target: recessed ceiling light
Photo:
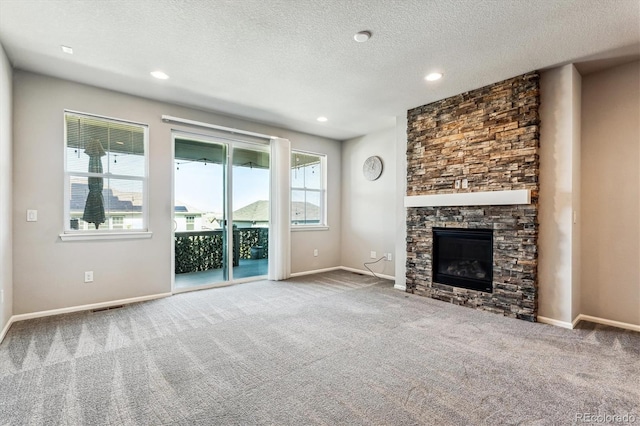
(362, 36)
(159, 75)
(433, 76)
(67, 49)
(322, 119)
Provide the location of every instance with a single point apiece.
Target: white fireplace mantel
(487, 198)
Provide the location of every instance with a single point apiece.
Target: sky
(202, 187)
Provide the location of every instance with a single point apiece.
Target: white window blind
(105, 174)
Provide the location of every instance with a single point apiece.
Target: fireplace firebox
(463, 258)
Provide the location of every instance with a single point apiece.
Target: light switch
(457, 184)
(32, 215)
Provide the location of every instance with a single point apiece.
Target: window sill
(309, 228)
(86, 236)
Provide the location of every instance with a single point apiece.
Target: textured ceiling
(286, 62)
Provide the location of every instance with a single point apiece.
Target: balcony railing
(204, 250)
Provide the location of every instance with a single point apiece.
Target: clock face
(372, 168)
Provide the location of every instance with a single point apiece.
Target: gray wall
(326, 241)
(611, 194)
(48, 273)
(368, 207)
(6, 276)
(363, 216)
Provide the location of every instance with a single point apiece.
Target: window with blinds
(308, 192)
(105, 173)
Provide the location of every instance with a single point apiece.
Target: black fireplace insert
(463, 258)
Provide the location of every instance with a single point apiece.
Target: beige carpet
(336, 348)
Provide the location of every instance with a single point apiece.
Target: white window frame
(323, 225)
(91, 234)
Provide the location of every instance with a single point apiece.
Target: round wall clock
(372, 167)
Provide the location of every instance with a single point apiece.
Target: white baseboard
(315, 271)
(5, 330)
(589, 318)
(541, 319)
(603, 321)
(360, 271)
(575, 321)
(557, 323)
(400, 287)
(344, 268)
(40, 314)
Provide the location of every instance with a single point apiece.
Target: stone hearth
(490, 137)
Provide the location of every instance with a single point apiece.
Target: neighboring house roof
(79, 193)
(134, 197)
(298, 209)
(258, 211)
(182, 207)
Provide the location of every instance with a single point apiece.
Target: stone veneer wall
(489, 136)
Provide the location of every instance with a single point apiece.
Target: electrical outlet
(315, 252)
(389, 258)
(373, 255)
(88, 276)
(465, 184)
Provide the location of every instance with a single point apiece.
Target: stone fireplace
(472, 165)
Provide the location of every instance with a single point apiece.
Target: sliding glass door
(199, 218)
(250, 189)
(221, 211)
